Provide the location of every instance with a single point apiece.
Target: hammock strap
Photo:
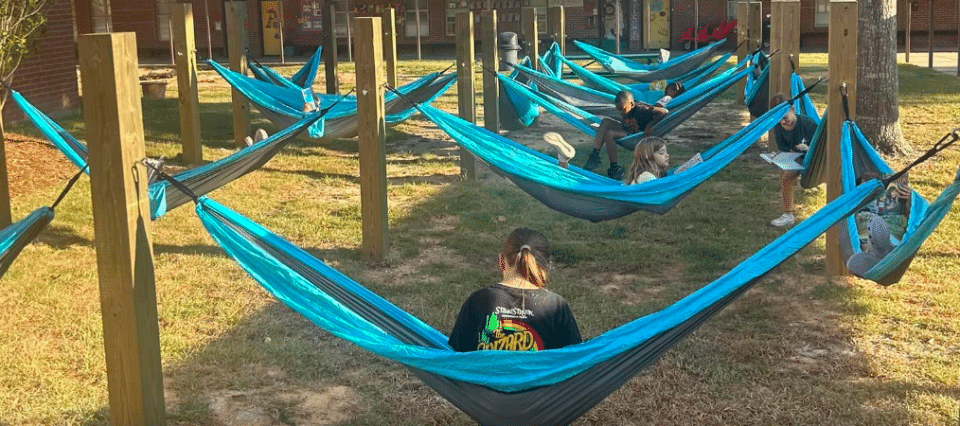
(448, 68)
(247, 51)
(942, 144)
(69, 186)
(793, 65)
(176, 183)
(808, 89)
(846, 101)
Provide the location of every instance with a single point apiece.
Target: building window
(453, 8)
(541, 6)
(100, 10)
(344, 14)
(164, 10)
(413, 8)
(822, 18)
(732, 9)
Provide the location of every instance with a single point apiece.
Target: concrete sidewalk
(945, 62)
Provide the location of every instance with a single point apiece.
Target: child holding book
(650, 161)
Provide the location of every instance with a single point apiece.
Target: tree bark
(878, 91)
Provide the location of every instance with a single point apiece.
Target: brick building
(48, 78)
(302, 29)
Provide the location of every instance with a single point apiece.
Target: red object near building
(708, 34)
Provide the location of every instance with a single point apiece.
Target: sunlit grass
(797, 350)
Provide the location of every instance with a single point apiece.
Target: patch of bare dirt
(277, 406)
(35, 165)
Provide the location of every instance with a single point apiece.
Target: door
(657, 15)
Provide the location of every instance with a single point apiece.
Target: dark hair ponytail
(529, 252)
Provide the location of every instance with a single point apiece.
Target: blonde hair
(643, 160)
(529, 252)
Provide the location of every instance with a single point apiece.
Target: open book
(693, 161)
(784, 160)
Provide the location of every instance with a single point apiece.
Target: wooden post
(930, 36)
(789, 42)
(776, 32)
(466, 94)
(557, 28)
(909, 28)
(743, 32)
(121, 219)
(6, 216)
(372, 145)
(531, 36)
(842, 70)
(491, 87)
(390, 44)
(187, 83)
(236, 22)
(330, 57)
(755, 18)
(617, 17)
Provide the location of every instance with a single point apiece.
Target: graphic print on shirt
(504, 330)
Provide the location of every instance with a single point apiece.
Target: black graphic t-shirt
(637, 119)
(498, 317)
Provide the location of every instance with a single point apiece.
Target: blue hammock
(675, 67)
(551, 387)
(756, 92)
(284, 106)
(516, 111)
(550, 62)
(586, 195)
(858, 156)
(302, 79)
(200, 180)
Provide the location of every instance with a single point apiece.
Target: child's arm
(658, 115)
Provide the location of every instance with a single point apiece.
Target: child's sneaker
(785, 219)
(564, 151)
(615, 172)
(260, 135)
(593, 161)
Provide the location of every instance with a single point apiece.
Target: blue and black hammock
(15, 237)
(586, 195)
(284, 106)
(516, 111)
(756, 93)
(302, 79)
(552, 387)
(673, 68)
(199, 180)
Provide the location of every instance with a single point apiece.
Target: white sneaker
(564, 151)
(260, 135)
(247, 141)
(785, 219)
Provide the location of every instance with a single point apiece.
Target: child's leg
(787, 179)
(611, 142)
(606, 125)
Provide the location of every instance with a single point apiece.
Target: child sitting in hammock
(671, 91)
(879, 220)
(636, 118)
(650, 161)
(517, 314)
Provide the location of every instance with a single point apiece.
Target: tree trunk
(878, 92)
(6, 217)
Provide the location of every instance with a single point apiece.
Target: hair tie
(520, 253)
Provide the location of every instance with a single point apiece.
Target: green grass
(796, 350)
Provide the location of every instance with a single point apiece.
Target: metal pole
(696, 24)
(283, 58)
(616, 18)
(419, 51)
(173, 59)
(206, 14)
(349, 38)
(909, 29)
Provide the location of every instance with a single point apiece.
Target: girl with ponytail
(517, 313)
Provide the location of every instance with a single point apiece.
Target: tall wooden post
(743, 32)
(776, 33)
(121, 219)
(531, 36)
(491, 87)
(390, 44)
(330, 57)
(843, 71)
(930, 36)
(236, 20)
(755, 18)
(186, 57)
(557, 28)
(372, 145)
(466, 93)
(909, 29)
(785, 29)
